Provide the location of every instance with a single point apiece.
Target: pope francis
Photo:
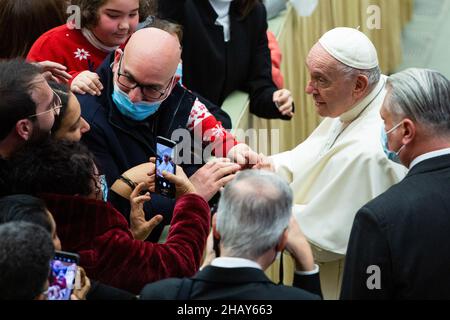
(341, 165)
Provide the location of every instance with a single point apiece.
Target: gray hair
(254, 210)
(423, 96)
(373, 75)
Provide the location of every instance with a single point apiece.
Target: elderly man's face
(331, 91)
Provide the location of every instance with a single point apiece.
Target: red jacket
(276, 56)
(69, 48)
(108, 252)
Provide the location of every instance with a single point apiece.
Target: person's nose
(135, 95)
(85, 127)
(311, 88)
(124, 24)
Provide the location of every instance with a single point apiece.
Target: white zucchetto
(351, 47)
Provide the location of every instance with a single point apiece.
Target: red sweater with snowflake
(68, 47)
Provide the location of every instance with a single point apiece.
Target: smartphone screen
(165, 149)
(63, 269)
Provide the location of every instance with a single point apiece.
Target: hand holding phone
(63, 270)
(164, 162)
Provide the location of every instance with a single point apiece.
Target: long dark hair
(23, 21)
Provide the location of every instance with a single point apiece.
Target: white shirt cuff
(309, 273)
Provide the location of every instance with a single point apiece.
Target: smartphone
(63, 269)
(165, 150)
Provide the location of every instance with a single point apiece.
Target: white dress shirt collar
(356, 111)
(429, 155)
(230, 262)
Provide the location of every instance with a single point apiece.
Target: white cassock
(340, 167)
(165, 167)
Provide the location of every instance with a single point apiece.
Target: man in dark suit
(254, 223)
(400, 242)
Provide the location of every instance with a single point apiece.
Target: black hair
(24, 208)
(63, 92)
(59, 167)
(17, 79)
(25, 253)
(22, 22)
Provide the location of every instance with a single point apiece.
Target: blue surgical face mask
(393, 156)
(137, 111)
(179, 73)
(104, 187)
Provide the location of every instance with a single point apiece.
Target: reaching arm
(263, 92)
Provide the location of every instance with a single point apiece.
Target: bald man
(142, 100)
(341, 165)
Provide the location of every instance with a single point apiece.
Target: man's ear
(283, 241)
(362, 82)
(216, 233)
(24, 129)
(117, 54)
(409, 131)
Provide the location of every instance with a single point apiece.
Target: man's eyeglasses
(149, 92)
(55, 106)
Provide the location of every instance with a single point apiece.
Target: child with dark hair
(105, 25)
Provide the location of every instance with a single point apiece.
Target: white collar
(231, 262)
(356, 111)
(429, 155)
(89, 35)
(222, 9)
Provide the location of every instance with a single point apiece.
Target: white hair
(373, 75)
(253, 212)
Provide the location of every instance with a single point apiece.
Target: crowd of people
(361, 205)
